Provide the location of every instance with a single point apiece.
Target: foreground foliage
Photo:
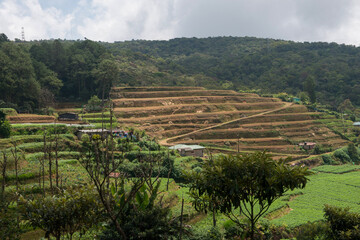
(246, 183)
(74, 210)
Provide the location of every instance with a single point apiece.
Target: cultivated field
(223, 119)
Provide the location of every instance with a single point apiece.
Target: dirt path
(165, 141)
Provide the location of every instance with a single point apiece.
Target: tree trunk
(181, 219)
(252, 222)
(56, 158)
(4, 163)
(214, 218)
(16, 161)
(50, 168)
(43, 164)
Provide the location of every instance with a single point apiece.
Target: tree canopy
(249, 183)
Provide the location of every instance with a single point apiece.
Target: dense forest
(37, 73)
(265, 65)
(34, 75)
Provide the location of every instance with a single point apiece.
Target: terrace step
(152, 89)
(159, 94)
(165, 101)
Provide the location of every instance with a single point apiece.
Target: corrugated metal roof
(188, 147)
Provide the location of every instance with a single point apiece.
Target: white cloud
(129, 19)
(38, 23)
(114, 20)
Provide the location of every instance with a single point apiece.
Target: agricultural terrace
(224, 119)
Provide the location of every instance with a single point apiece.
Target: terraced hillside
(222, 118)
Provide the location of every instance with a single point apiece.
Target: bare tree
(95, 158)
(14, 153)
(42, 163)
(56, 157)
(3, 165)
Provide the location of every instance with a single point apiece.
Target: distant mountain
(329, 70)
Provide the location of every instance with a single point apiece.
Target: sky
(119, 20)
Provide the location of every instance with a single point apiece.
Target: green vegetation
(244, 63)
(34, 75)
(74, 70)
(323, 188)
(133, 188)
(246, 183)
(5, 128)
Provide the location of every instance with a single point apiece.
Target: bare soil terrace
(30, 118)
(222, 118)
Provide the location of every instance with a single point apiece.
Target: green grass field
(331, 187)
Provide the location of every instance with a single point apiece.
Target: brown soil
(192, 108)
(160, 94)
(31, 118)
(220, 117)
(166, 101)
(151, 89)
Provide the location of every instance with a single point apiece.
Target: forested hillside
(328, 71)
(35, 74)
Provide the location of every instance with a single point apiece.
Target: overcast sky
(118, 20)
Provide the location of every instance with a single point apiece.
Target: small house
(189, 150)
(356, 124)
(307, 145)
(69, 116)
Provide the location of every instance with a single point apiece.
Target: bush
(327, 159)
(313, 231)
(342, 155)
(154, 223)
(343, 223)
(94, 105)
(5, 127)
(9, 111)
(232, 230)
(353, 152)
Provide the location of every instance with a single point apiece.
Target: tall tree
(106, 74)
(17, 78)
(309, 87)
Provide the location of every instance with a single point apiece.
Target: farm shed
(189, 150)
(307, 145)
(69, 116)
(356, 124)
(102, 132)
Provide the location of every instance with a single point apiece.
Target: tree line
(327, 72)
(35, 74)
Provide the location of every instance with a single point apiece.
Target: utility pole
(22, 34)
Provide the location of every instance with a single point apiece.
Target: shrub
(327, 159)
(150, 223)
(232, 230)
(353, 152)
(9, 111)
(312, 231)
(5, 127)
(343, 223)
(94, 105)
(342, 155)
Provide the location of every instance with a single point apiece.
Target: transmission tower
(22, 34)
